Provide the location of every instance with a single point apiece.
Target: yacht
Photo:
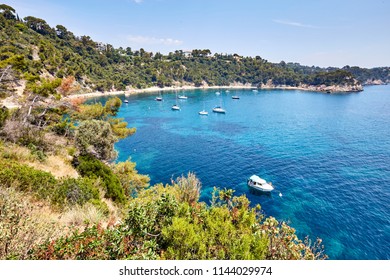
(126, 101)
(159, 98)
(235, 97)
(175, 108)
(203, 113)
(259, 184)
(219, 109)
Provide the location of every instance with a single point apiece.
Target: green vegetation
(91, 167)
(160, 225)
(30, 48)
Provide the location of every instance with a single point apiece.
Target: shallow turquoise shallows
(327, 154)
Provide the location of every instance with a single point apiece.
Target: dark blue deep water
(328, 154)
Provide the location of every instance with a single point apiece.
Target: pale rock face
(374, 82)
(354, 87)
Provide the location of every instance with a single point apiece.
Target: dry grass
(56, 165)
(26, 222)
(81, 215)
(59, 165)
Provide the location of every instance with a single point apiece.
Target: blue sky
(317, 32)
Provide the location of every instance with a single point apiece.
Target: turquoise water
(329, 156)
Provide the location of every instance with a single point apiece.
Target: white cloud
(138, 1)
(293, 23)
(143, 40)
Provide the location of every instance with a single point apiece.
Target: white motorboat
(159, 98)
(182, 97)
(260, 184)
(203, 113)
(175, 108)
(219, 109)
(126, 101)
(235, 97)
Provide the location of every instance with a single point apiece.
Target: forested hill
(33, 51)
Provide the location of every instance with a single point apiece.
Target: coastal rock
(373, 82)
(354, 86)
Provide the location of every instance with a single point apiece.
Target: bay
(327, 154)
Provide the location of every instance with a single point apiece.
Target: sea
(327, 155)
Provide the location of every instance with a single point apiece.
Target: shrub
(37, 153)
(96, 138)
(72, 191)
(4, 113)
(159, 226)
(131, 181)
(20, 231)
(25, 178)
(189, 188)
(93, 168)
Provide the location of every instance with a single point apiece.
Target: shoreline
(322, 89)
(152, 90)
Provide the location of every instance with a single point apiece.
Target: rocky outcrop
(375, 82)
(353, 86)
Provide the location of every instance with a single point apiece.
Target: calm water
(329, 155)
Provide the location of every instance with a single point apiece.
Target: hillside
(35, 56)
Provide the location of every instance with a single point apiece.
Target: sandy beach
(155, 89)
(233, 86)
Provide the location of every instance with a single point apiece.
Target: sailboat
(176, 107)
(203, 112)
(159, 98)
(219, 109)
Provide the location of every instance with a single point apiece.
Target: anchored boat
(259, 184)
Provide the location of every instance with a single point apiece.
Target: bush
(4, 113)
(159, 226)
(131, 181)
(37, 153)
(72, 191)
(25, 178)
(20, 230)
(189, 188)
(93, 168)
(96, 138)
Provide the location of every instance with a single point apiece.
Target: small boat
(126, 101)
(182, 97)
(235, 97)
(217, 93)
(219, 109)
(259, 184)
(159, 98)
(175, 108)
(254, 90)
(204, 112)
